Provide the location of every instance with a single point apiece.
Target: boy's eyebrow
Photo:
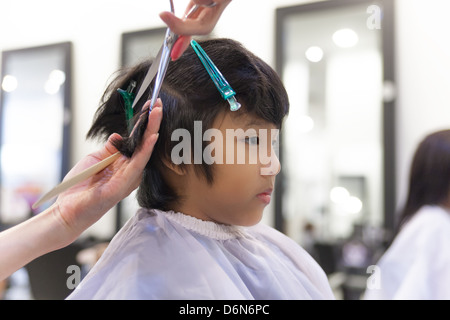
(255, 122)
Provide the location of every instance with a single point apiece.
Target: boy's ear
(174, 168)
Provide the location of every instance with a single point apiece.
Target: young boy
(211, 174)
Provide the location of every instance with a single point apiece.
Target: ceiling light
(345, 38)
(9, 83)
(314, 54)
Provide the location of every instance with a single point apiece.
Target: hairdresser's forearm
(33, 238)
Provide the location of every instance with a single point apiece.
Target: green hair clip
(128, 98)
(219, 80)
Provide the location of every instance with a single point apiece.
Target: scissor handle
(169, 41)
(197, 6)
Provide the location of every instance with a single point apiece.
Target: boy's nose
(273, 168)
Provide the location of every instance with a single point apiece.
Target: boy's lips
(265, 196)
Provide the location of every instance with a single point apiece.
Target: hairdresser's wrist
(31, 239)
(48, 232)
(63, 233)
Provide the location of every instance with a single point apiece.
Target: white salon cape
(167, 255)
(417, 264)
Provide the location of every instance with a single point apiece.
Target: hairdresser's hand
(201, 22)
(82, 205)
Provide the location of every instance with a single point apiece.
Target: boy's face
(245, 163)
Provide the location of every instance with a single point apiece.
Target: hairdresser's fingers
(204, 2)
(201, 22)
(180, 46)
(107, 150)
(218, 5)
(153, 126)
(154, 119)
(142, 156)
(199, 26)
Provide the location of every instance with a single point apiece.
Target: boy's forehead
(242, 120)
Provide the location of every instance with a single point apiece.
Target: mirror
(139, 45)
(337, 153)
(35, 126)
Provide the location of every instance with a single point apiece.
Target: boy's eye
(252, 140)
(274, 142)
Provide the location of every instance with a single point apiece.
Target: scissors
(159, 69)
(163, 56)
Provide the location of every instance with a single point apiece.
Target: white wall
(95, 27)
(423, 76)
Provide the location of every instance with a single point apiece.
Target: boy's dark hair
(188, 94)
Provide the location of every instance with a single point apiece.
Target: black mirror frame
(389, 106)
(66, 49)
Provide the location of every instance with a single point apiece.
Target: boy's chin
(250, 221)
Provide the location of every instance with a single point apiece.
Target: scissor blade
(162, 70)
(151, 73)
